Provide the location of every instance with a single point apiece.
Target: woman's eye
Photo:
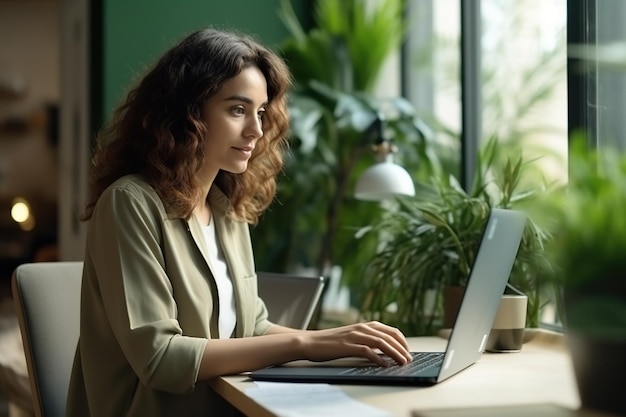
(238, 110)
(261, 114)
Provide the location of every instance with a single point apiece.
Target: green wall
(135, 33)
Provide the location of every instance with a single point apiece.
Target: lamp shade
(384, 180)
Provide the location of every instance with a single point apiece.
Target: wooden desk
(540, 373)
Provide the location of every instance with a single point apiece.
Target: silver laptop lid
(486, 283)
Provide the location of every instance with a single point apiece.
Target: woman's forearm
(232, 356)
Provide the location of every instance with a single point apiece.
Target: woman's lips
(246, 150)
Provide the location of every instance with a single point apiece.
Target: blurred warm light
(20, 211)
(21, 214)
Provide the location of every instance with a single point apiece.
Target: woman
(169, 293)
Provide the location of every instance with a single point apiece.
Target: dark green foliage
(589, 246)
(431, 240)
(335, 65)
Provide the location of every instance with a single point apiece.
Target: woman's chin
(238, 169)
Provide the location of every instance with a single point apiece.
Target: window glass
(611, 73)
(523, 80)
(524, 88)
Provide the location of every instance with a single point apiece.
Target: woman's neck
(203, 213)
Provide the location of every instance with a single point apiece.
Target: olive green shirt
(149, 304)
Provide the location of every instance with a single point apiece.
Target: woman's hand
(365, 340)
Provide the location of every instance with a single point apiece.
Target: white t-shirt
(227, 314)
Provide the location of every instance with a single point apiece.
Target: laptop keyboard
(421, 361)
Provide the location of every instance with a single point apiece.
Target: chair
(290, 299)
(47, 300)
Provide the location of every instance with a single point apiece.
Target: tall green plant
(349, 45)
(315, 217)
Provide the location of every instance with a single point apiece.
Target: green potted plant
(336, 65)
(430, 242)
(588, 251)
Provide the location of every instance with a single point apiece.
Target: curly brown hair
(158, 130)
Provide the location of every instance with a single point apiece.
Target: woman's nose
(254, 128)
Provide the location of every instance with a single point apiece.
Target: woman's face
(234, 120)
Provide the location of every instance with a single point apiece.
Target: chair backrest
(290, 299)
(47, 300)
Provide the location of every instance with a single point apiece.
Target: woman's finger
(393, 331)
(368, 335)
(393, 337)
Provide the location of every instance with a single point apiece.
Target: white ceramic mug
(507, 332)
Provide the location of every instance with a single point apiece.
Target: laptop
(486, 283)
(290, 299)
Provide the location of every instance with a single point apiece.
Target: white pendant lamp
(385, 179)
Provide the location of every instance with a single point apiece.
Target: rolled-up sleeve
(262, 324)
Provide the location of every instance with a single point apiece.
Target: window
(598, 88)
(479, 69)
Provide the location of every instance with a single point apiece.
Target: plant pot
(599, 366)
(507, 333)
(452, 296)
(595, 320)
